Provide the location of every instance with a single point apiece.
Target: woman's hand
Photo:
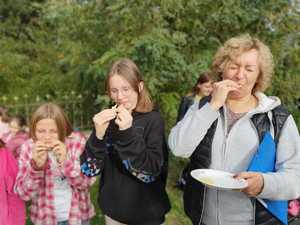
(255, 183)
(124, 118)
(60, 151)
(220, 92)
(101, 121)
(39, 154)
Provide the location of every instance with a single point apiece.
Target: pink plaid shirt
(37, 186)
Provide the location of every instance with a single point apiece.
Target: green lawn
(175, 217)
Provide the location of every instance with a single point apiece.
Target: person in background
(128, 148)
(223, 135)
(12, 207)
(203, 87)
(49, 171)
(4, 119)
(16, 135)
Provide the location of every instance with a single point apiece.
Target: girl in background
(12, 207)
(203, 87)
(16, 135)
(4, 119)
(49, 171)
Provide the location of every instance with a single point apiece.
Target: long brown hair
(127, 69)
(51, 111)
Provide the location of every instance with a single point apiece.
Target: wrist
(99, 136)
(214, 105)
(124, 128)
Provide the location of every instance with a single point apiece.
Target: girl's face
(46, 131)
(14, 127)
(122, 93)
(205, 88)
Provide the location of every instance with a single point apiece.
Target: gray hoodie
(232, 152)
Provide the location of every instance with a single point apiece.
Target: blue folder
(264, 161)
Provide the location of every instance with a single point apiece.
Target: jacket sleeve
(71, 167)
(142, 149)
(92, 159)
(29, 181)
(285, 182)
(186, 135)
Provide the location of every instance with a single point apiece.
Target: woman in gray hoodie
(221, 135)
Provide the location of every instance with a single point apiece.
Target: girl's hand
(60, 151)
(101, 121)
(220, 92)
(124, 118)
(40, 154)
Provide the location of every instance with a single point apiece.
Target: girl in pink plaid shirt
(49, 171)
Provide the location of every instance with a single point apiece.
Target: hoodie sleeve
(186, 135)
(285, 182)
(92, 159)
(141, 148)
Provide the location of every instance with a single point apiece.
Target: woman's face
(122, 93)
(46, 131)
(245, 71)
(205, 88)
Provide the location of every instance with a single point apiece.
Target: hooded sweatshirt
(232, 152)
(12, 207)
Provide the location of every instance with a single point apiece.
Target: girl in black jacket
(127, 147)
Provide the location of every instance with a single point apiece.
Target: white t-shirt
(62, 192)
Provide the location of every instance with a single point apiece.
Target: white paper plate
(218, 179)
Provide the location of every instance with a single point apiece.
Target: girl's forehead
(118, 81)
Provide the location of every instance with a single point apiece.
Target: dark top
(185, 104)
(133, 165)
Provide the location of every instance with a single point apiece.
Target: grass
(175, 217)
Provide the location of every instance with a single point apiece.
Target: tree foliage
(52, 46)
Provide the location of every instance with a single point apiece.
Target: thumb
(243, 175)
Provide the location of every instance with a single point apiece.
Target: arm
(29, 181)
(188, 133)
(92, 159)
(71, 166)
(285, 182)
(142, 149)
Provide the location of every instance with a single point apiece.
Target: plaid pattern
(37, 186)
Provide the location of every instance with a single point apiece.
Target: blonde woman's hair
(238, 45)
(51, 111)
(127, 69)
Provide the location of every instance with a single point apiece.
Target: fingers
(40, 147)
(220, 92)
(104, 116)
(255, 183)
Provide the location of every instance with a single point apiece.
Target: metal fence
(73, 104)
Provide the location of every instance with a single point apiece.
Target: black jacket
(133, 165)
(185, 104)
